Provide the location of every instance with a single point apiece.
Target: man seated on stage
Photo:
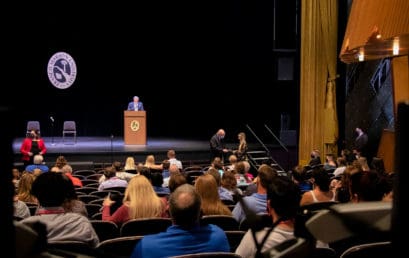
(136, 105)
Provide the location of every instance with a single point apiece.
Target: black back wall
(197, 66)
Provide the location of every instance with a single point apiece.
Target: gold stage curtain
(318, 114)
(370, 18)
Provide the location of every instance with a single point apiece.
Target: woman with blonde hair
(241, 152)
(206, 186)
(140, 201)
(130, 165)
(150, 163)
(24, 188)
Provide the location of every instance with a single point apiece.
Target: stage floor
(88, 151)
(106, 149)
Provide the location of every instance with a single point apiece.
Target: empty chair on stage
(69, 129)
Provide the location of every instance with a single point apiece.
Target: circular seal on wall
(135, 125)
(61, 70)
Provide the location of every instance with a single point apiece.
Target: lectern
(135, 127)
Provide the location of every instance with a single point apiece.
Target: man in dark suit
(135, 105)
(360, 142)
(217, 146)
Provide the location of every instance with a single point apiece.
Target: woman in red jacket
(32, 145)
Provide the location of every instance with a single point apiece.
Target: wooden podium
(135, 127)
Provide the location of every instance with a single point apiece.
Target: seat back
(69, 128)
(145, 226)
(118, 247)
(69, 248)
(33, 125)
(225, 222)
(105, 229)
(261, 221)
(378, 249)
(234, 237)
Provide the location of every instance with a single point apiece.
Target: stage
(90, 152)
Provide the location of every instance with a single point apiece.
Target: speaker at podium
(134, 127)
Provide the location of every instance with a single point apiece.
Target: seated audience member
(60, 162)
(186, 235)
(330, 164)
(111, 180)
(72, 203)
(229, 182)
(206, 187)
(67, 171)
(157, 181)
(165, 168)
(150, 163)
(140, 201)
(16, 177)
(24, 188)
(175, 181)
(38, 162)
(173, 170)
(224, 194)
(321, 191)
(366, 186)
(257, 202)
(342, 164)
(300, 178)
(233, 161)
(315, 158)
(130, 166)
(172, 159)
(127, 172)
(217, 164)
(283, 198)
(21, 209)
(51, 191)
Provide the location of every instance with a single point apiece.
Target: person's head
(175, 181)
(184, 206)
(242, 136)
(173, 169)
(157, 179)
(165, 164)
(233, 159)
(117, 166)
(142, 199)
(215, 173)
(150, 160)
(66, 169)
(221, 133)
(358, 130)
(315, 154)
(61, 161)
(38, 159)
(51, 189)
(321, 178)
(229, 180)
(135, 99)
(171, 154)
(217, 163)
(283, 198)
(130, 163)
(266, 175)
(34, 134)
(109, 172)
